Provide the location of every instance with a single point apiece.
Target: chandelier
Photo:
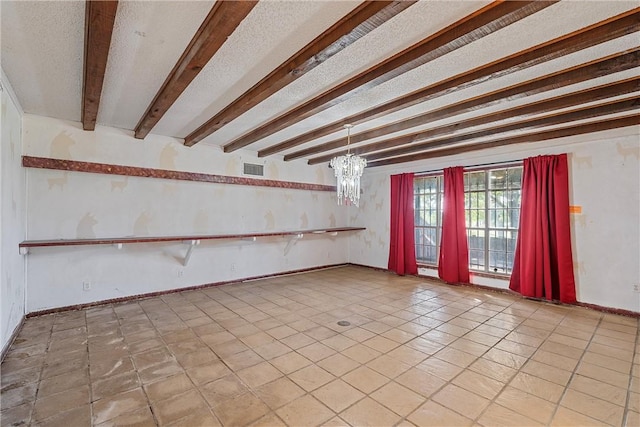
(348, 170)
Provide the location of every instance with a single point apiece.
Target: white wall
(70, 205)
(604, 180)
(12, 215)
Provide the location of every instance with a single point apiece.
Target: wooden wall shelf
(191, 240)
(127, 240)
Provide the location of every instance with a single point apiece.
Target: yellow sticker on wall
(575, 209)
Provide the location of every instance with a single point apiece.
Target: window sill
(499, 276)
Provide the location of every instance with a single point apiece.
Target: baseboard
(13, 337)
(371, 268)
(172, 291)
(610, 310)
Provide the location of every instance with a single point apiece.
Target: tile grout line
(198, 388)
(133, 363)
(378, 334)
(402, 418)
(35, 399)
(368, 395)
(280, 302)
(310, 393)
(464, 369)
(450, 382)
(506, 383)
(628, 399)
(89, 369)
(232, 371)
(518, 370)
(574, 372)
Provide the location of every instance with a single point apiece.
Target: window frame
(438, 210)
(488, 229)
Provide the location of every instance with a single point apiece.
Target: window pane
(428, 204)
(497, 241)
(497, 251)
(514, 217)
(430, 255)
(476, 259)
(512, 238)
(514, 177)
(498, 178)
(497, 199)
(474, 181)
(514, 199)
(499, 218)
(426, 244)
(497, 262)
(476, 239)
(430, 236)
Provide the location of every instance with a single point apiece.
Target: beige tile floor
(271, 353)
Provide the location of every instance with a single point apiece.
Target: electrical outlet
(233, 266)
(636, 288)
(86, 286)
(180, 272)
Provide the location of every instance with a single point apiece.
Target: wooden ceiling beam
(573, 130)
(220, 23)
(359, 22)
(555, 118)
(485, 21)
(599, 68)
(610, 29)
(564, 101)
(99, 19)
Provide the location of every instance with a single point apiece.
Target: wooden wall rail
(102, 168)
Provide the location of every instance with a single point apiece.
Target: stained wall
(12, 214)
(75, 205)
(604, 182)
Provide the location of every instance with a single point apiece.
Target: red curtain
(453, 265)
(543, 264)
(402, 249)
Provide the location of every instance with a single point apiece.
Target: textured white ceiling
(559, 64)
(253, 50)
(397, 34)
(148, 39)
(42, 47)
(538, 28)
(42, 55)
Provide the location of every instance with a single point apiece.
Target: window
(428, 217)
(492, 211)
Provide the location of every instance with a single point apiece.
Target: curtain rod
(473, 167)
